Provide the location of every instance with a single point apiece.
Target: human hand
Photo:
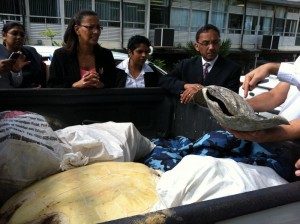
(257, 75)
(89, 80)
(19, 63)
(254, 136)
(297, 165)
(6, 65)
(190, 89)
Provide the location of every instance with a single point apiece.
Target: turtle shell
(91, 194)
(232, 111)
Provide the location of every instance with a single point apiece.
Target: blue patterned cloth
(220, 144)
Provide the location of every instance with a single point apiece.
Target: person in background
(82, 62)
(209, 68)
(286, 72)
(26, 69)
(133, 72)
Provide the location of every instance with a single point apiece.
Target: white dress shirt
(290, 72)
(131, 82)
(210, 62)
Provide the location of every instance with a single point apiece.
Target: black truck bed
(158, 114)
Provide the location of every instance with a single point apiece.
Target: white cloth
(290, 72)
(290, 108)
(131, 82)
(107, 141)
(73, 160)
(199, 178)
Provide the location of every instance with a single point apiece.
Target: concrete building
(252, 25)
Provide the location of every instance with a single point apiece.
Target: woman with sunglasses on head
(20, 66)
(82, 62)
(133, 72)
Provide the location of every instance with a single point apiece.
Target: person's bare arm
(257, 75)
(269, 100)
(279, 133)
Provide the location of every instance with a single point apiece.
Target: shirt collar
(124, 66)
(210, 62)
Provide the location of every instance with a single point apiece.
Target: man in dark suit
(209, 68)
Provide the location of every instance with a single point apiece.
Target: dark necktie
(205, 70)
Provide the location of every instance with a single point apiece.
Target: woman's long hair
(71, 40)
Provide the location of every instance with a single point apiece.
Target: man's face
(208, 45)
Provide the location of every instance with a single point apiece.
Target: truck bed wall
(154, 112)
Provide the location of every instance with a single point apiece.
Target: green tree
(49, 33)
(225, 48)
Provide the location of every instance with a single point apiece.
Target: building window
(109, 13)
(219, 20)
(10, 7)
(73, 6)
(134, 15)
(219, 15)
(43, 12)
(250, 25)
(235, 23)
(198, 19)
(279, 14)
(278, 26)
(159, 17)
(297, 42)
(293, 10)
(180, 19)
(290, 28)
(219, 5)
(265, 26)
(11, 11)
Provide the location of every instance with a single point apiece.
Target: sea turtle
(94, 193)
(232, 111)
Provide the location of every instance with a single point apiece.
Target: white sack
(107, 141)
(199, 178)
(29, 151)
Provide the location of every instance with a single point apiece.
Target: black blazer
(224, 73)
(64, 68)
(151, 78)
(33, 73)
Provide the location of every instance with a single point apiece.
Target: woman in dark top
(82, 62)
(26, 69)
(133, 72)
